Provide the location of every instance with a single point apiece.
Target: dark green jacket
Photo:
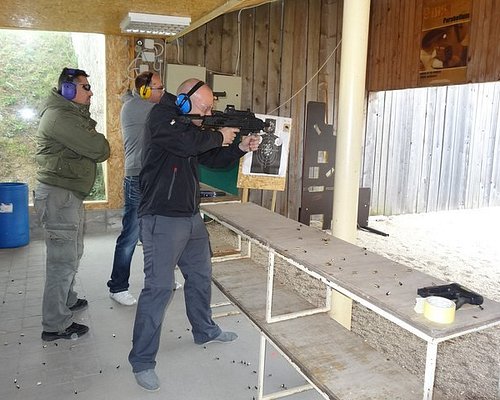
(68, 146)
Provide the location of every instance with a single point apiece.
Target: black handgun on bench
(452, 291)
(246, 121)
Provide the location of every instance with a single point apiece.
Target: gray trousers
(168, 242)
(61, 215)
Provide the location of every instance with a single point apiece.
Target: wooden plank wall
(394, 43)
(433, 149)
(423, 149)
(283, 44)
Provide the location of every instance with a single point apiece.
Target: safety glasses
(85, 86)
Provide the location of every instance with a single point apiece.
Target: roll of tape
(439, 309)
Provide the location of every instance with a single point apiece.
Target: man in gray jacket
(68, 150)
(135, 109)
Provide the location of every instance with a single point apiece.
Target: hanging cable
(237, 66)
(178, 51)
(134, 69)
(158, 62)
(310, 80)
(160, 45)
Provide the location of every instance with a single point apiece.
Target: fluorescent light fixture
(153, 24)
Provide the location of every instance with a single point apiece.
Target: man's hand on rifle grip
(229, 134)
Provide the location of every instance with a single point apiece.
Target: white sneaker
(124, 298)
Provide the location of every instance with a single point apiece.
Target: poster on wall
(444, 42)
(266, 168)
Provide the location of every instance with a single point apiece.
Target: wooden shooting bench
(314, 339)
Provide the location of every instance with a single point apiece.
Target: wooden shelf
(337, 361)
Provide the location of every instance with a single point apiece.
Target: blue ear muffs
(183, 99)
(68, 88)
(183, 103)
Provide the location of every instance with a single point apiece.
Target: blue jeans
(129, 236)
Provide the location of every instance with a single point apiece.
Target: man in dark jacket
(68, 150)
(172, 230)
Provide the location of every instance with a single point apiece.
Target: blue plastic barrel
(14, 215)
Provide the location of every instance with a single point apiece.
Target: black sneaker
(81, 304)
(74, 331)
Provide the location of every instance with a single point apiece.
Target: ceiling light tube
(165, 25)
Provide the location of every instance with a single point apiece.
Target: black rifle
(453, 291)
(246, 121)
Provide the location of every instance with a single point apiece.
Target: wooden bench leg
(269, 298)
(262, 369)
(223, 313)
(430, 369)
(262, 366)
(341, 310)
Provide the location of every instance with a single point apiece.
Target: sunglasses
(85, 86)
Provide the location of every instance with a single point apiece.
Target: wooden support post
(273, 201)
(341, 310)
(244, 195)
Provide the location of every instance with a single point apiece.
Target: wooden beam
(229, 6)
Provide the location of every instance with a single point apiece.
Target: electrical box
(148, 56)
(231, 85)
(149, 44)
(175, 74)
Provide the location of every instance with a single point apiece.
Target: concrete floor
(95, 367)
